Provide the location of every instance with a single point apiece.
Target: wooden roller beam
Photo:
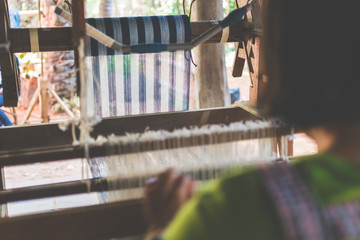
(60, 39)
(50, 39)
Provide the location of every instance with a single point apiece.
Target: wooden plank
(95, 222)
(59, 39)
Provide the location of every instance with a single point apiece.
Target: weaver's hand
(164, 195)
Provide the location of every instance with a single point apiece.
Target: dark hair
(312, 56)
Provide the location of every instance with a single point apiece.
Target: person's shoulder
(243, 177)
(230, 207)
(234, 188)
(248, 176)
(241, 198)
(311, 161)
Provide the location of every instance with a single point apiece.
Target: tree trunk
(178, 7)
(210, 73)
(105, 8)
(58, 68)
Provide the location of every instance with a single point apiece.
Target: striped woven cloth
(127, 84)
(301, 216)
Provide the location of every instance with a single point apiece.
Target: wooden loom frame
(84, 222)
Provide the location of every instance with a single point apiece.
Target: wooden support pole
(78, 36)
(3, 207)
(33, 101)
(43, 84)
(62, 104)
(9, 72)
(254, 53)
(2, 178)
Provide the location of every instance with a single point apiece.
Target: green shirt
(238, 206)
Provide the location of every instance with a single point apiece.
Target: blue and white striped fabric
(127, 84)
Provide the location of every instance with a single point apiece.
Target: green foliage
(158, 7)
(92, 8)
(232, 5)
(150, 7)
(21, 55)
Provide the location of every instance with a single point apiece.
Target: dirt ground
(61, 171)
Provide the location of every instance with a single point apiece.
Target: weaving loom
(197, 151)
(209, 151)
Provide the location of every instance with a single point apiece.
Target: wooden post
(78, 34)
(43, 84)
(7, 60)
(210, 73)
(3, 207)
(254, 53)
(2, 178)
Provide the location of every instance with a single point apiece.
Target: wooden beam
(112, 220)
(43, 135)
(59, 39)
(38, 142)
